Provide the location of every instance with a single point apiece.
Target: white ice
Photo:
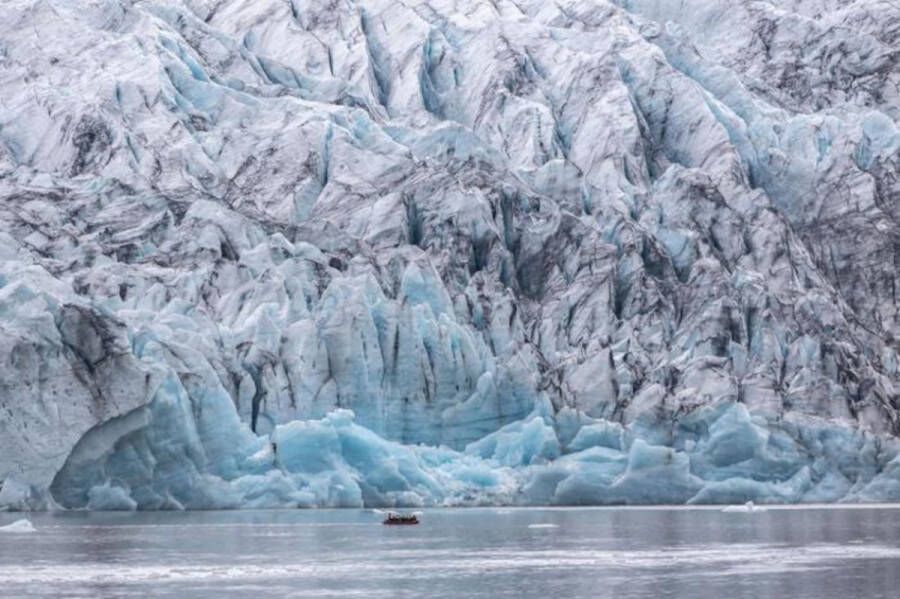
(19, 526)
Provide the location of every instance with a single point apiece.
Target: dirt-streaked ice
(301, 253)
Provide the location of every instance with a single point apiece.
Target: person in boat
(395, 518)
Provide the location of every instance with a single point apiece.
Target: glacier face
(299, 253)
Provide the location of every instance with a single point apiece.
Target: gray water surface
(813, 552)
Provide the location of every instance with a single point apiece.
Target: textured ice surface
(721, 455)
(305, 253)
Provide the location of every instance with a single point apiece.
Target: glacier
(310, 253)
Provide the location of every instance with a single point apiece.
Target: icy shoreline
(334, 462)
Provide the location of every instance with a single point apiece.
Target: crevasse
(432, 253)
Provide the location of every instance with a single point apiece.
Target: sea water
(813, 551)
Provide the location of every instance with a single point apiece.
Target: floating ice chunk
(543, 526)
(19, 526)
(743, 509)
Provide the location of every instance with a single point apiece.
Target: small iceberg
(743, 509)
(19, 526)
(543, 526)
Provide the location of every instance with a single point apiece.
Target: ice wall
(577, 252)
(158, 458)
